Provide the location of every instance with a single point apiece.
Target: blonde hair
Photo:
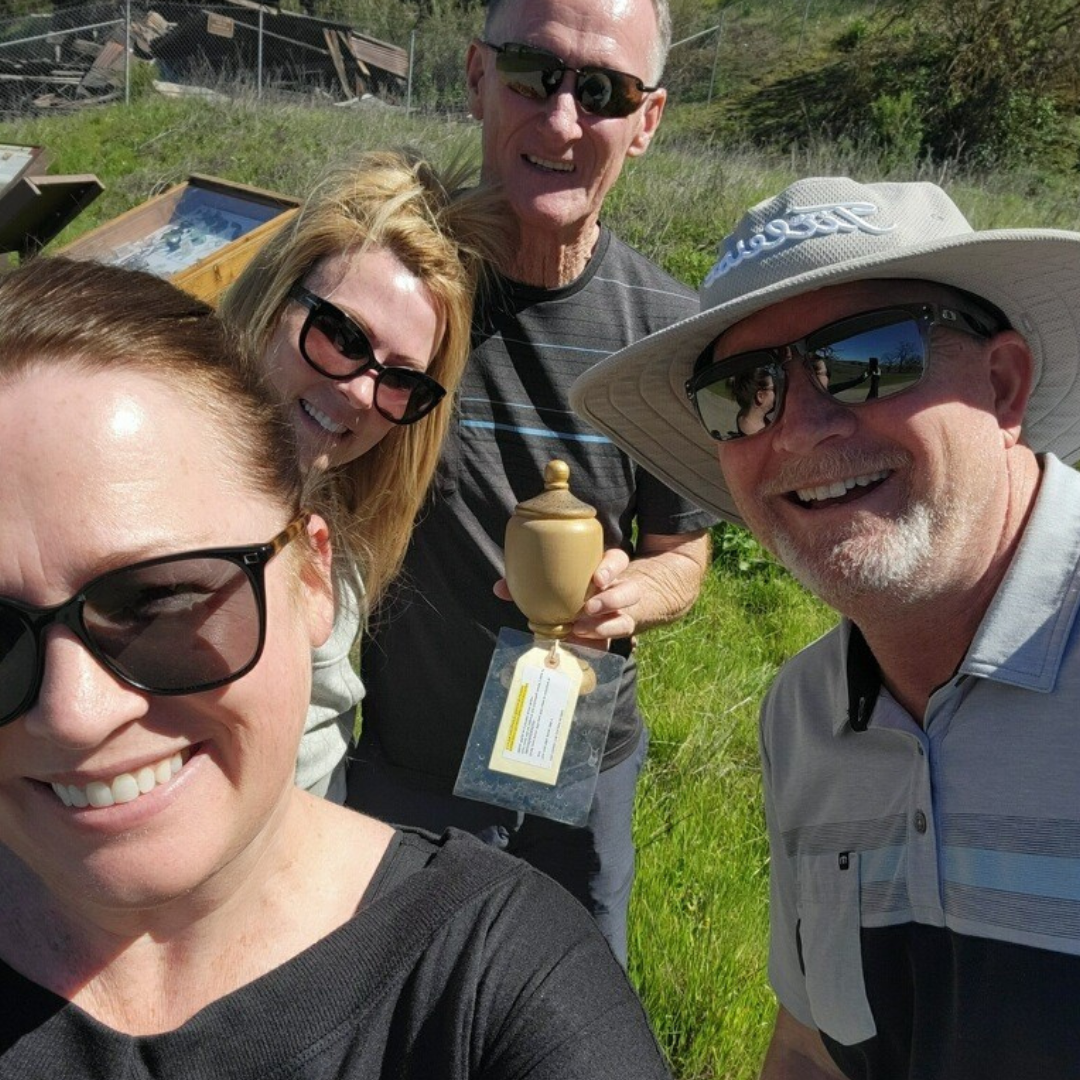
(442, 233)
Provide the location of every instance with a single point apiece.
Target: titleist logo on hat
(802, 223)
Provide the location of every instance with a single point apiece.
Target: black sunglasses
(855, 360)
(336, 347)
(537, 73)
(178, 624)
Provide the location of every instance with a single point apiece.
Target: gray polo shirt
(925, 882)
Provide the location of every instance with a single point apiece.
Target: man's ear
(317, 582)
(1012, 372)
(474, 78)
(651, 112)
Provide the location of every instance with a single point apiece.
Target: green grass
(699, 922)
(699, 913)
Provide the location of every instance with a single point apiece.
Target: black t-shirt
(432, 638)
(461, 962)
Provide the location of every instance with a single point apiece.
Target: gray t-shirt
(432, 639)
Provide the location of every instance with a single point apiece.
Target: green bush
(853, 35)
(898, 125)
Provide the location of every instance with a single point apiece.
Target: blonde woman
(359, 314)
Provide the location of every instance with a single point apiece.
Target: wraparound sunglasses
(335, 346)
(536, 73)
(862, 358)
(177, 624)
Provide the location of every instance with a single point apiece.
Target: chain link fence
(81, 54)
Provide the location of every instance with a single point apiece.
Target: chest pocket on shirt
(831, 951)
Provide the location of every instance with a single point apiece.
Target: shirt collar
(863, 681)
(1022, 637)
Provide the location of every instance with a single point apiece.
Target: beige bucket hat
(823, 231)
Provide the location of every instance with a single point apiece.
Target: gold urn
(553, 546)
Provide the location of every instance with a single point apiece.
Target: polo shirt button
(920, 821)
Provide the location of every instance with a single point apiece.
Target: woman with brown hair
(359, 314)
(174, 906)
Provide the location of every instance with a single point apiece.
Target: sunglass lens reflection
(336, 345)
(595, 91)
(873, 363)
(860, 360)
(537, 74)
(175, 625)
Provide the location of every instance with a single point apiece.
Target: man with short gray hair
(567, 91)
(920, 760)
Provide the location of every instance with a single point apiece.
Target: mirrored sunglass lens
(873, 362)
(18, 663)
(744, 402)
(335, 345)
(178, 625)
(596, 91)
(531, 74)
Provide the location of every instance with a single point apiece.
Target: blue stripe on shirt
(542, 433)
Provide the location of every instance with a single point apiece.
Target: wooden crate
(199, 234)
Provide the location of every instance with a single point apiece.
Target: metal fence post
(127, 52)
(716, 52)
(259, 67)
(408, 84)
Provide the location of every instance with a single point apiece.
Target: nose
(810, 416)
(562, 112)
(80, 703)
(359, 391)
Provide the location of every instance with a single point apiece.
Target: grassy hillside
(699, 910)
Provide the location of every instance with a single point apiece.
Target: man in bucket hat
(920, 761)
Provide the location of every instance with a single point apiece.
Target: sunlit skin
(949, 445)
(556, 161)
(143, 900)
(141, 485)
(754, 419)
(405, 328)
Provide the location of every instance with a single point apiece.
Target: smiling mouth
(550, 166)
(124, 787)
(322, 419)
(846, 490)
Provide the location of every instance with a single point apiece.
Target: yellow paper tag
(539, 711)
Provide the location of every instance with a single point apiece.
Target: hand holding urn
(553, 546)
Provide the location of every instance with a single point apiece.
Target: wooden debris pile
(57, 64)
(72, 58)
(300, 53)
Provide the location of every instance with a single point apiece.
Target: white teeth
(554, 166)
(839, 487)
(322, 419)
(99, 794)
(126, 787)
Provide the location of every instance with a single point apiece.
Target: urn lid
(556, 500)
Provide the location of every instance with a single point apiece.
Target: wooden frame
(199, 234)
(33, 209)
(19, 161)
